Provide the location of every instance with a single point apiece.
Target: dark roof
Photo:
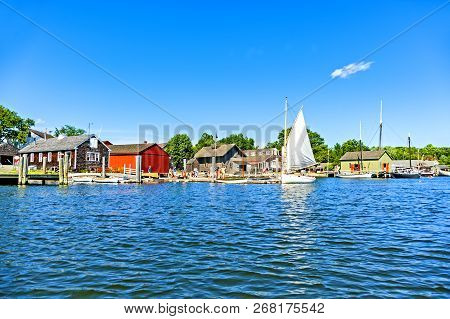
(255, 159)
(41, 134)
(61, 143)
(208, 151)
(367, 155)
(8, 150)
(130, 148)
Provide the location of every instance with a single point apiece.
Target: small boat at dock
(409, 172)
(106, 180)
(82, 180)
(444, 173)
(355, 176)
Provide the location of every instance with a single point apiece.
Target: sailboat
(360, 174)
(297, 151)
(407, 172)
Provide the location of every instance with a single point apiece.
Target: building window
(60, 155)
(94, 142)
(92, 156)
(40, 157)
(49, 156)
(32, 157)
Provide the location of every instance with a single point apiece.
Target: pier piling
(20, 171)
(61, 169)
(103, 167)
(66, 169)
(25, 169)
(138, 169)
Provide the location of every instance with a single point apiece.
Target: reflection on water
(332, 238)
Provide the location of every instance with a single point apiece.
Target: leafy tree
(243, 142)
(69, 130)
(278, 144)
(205, 140)
(13, 128)
(353, 146)
(320, 149)
(180, 147)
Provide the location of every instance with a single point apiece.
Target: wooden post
(138, 169)
(124, 169)
(25, 169)
(61, 169)
(103, 167)
(20, 171)
(66, 169)
(44, 165)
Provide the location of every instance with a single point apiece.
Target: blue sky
(229, 62)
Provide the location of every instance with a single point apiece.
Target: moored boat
(444, 173)
(355, 176)
(405, 173)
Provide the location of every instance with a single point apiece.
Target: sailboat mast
(285, 135)
(381, 124)
(360, 146)
(409, 149)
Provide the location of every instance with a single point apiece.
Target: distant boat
(362, 175)
(407, 172)
(444, 173)
(297, 151)
(82, 179)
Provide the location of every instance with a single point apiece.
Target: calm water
(336, 238)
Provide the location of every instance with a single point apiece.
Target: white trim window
(49, 156)
(93, 156)
(60, 155)
(40, 157)
(32, 157)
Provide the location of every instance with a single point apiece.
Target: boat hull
(294, 179)
(406, 175)
(355, 176)
(444, 173)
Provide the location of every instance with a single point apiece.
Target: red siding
(154, 157)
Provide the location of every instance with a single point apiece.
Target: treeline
(322, 151)
(15, 129)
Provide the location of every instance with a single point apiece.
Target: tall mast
(409, 149)
(285, 134)
(360, 145)
(381, 124)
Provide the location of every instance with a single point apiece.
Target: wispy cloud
(350, 69)
(39, 121)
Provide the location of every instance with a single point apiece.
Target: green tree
(353, 146)
(69, 130)
(180, 147)
(205, 140)
(243, 142)
(13, 128)
(278, 144)
(320, 149)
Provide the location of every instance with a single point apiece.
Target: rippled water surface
(335, 238)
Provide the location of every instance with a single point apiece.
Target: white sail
(299, 153)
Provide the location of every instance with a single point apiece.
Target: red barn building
(153, 156)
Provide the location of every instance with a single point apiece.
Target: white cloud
(350, 69)
(39, 121)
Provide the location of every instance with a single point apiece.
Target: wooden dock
(13, 179)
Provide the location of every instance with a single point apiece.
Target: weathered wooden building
(154, 158)
(373, 161)
(261, 160)
(225, 155)
(85, 152)
(7, 154)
